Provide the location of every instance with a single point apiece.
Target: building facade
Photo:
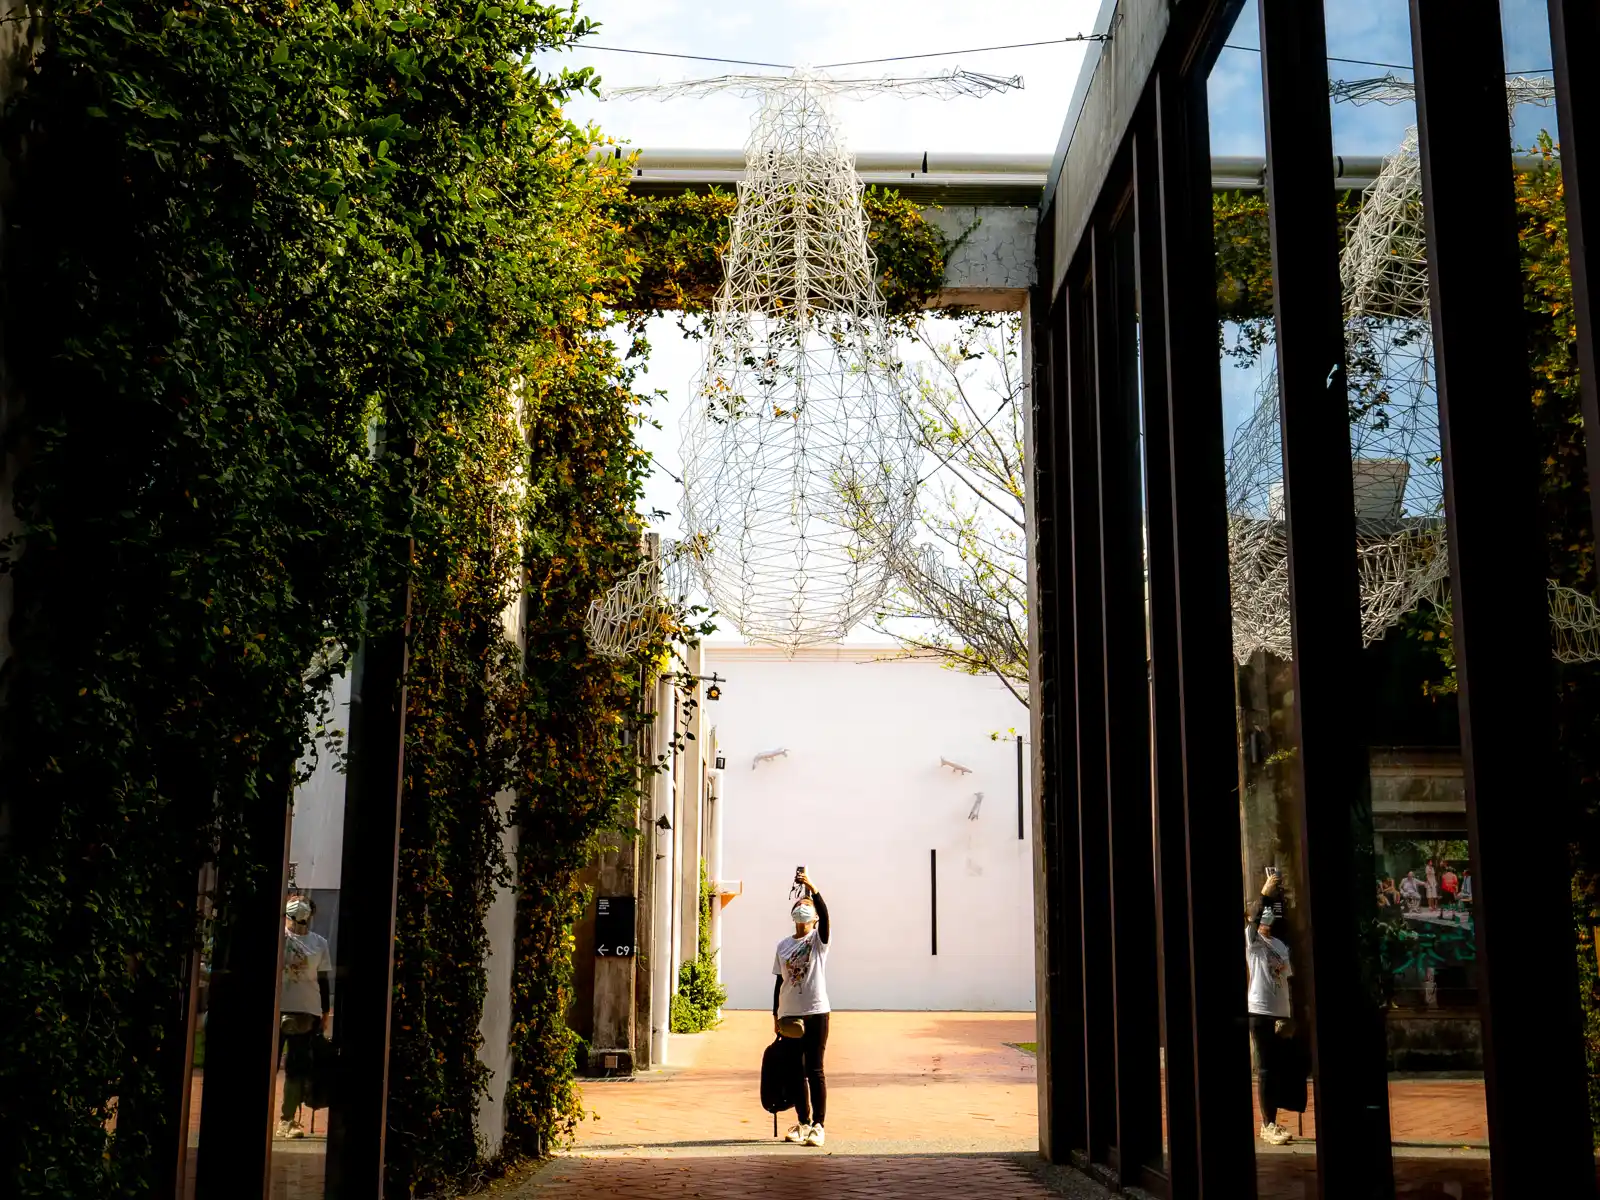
(896, 783)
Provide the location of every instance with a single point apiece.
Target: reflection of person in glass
(1410, 893)
(1449, 884)
(303, 1004)
(1267, 960)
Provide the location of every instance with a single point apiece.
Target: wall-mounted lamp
(955, 766)
(714, 692)
(768, 756)
(722, 762)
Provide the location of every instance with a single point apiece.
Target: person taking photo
(800, 994)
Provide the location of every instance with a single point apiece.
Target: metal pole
(369, 871)
(1532, 1038)
(1021, 828)
(236, 1108)
(1088, 648)
(1192, 648)
(1135, 1009)
(1330, 769)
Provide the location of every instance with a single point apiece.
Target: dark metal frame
(1497, 570)
(1093, 804)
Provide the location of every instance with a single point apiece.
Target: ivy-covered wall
(252, 234)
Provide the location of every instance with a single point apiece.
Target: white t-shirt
(1268, 960)
(304, 954)
(801, 963)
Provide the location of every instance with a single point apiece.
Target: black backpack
(777, 1080)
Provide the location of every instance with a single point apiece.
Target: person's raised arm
(823, 927)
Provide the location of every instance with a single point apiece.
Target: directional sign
(613, 927)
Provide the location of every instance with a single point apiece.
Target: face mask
(804, 914)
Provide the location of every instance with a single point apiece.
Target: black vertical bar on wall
(1166, 698)
(1089, 679)
(1206, 818)
(236, 1107)
(1021, 829)
(1330, 767)
(1135, 1005)
(1532, 1041)
(1057, 908)
(933, 898)
(369, 870)
(1574, 41)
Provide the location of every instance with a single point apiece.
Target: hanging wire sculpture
(649, 600)
(799, 420)
(1401, 549)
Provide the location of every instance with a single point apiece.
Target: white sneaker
(1274, 1134)
(798, 1134)
(296, 1130)
(283, 1129)
(815, 1136)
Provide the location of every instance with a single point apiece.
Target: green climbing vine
(255, 235)
(697, 1004)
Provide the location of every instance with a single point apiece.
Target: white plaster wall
(860, 800)
(316, 836)
(495, 1026)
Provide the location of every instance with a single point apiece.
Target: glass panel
(306, 998)
(1420, 939)
(1568, 529)
(1270, 837)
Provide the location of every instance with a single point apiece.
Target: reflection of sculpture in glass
(1401, 549)
(798, 416)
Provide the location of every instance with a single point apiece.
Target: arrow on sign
(602, 951)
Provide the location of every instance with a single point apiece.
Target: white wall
(860, 800)
(316, 835)
(495, 1025)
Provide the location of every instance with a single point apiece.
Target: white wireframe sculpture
(798, 420)
(1394, 436)
(643, 603)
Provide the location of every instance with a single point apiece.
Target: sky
(819, 32)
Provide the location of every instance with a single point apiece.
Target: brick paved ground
(854, 1177)
(941, 1078)
(918, 1103)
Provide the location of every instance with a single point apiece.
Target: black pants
(809, 1050)
(295, 1032)
(1269, 1064)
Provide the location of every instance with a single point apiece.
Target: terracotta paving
(857, 1177)
(942, 1078)
(919, 1103)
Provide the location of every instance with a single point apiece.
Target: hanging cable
(741, 62)
(867, 62)
(1371, 62)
